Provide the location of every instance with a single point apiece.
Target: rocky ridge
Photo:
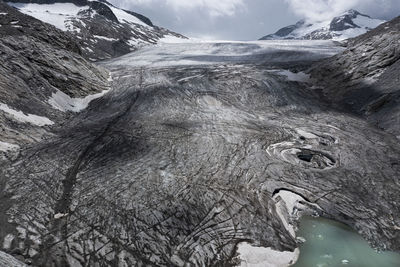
(102, 30)
(350, 24)
(38, 61)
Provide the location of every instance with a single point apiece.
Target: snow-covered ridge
(348, 25)
(59, 14)
(102, 30)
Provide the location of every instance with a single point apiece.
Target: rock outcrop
(38, 61)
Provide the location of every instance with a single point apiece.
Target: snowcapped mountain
(348, 25)
(103, 30)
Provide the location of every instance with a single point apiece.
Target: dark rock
(364, 78)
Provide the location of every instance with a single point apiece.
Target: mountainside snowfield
(104, 31)
(348, 25)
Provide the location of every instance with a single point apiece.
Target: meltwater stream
(329, 243)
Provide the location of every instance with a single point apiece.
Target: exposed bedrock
(364, 78)
(177, 166)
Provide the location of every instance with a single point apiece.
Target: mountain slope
(348, 25)
(364, 78)
(102, 30)
(41, 68)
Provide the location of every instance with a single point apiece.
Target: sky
(248, 19)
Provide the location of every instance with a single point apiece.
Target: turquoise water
(329, 243)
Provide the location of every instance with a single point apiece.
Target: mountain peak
(347, 25)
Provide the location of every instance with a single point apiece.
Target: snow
(3, 14)
(54, 14)
(64, 102)
(171, 39)
(365, 23)
(123, 16)
(368, 23)
(26, 118)
(105, 38)
(60, 215)
(5, 147)
(265, 257)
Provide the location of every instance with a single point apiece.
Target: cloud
(319, 10)
(214, 8)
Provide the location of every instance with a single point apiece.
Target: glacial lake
(329, 243)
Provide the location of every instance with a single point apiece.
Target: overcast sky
(248, 19)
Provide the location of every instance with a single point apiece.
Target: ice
(54, 14)
(194, 52)
(64, 102)
(105, 38)
(171, 39)
(306, 134)
(26, 118)
(287, 202)
(5, 147)
(295, 77)
(265, 257)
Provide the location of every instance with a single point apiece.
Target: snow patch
(54, 14)
(265, 257)
(295, 77)
(6, 147)
(64, 102)
(105, 38)
(123, 16)
(22, 117)
(3, 14)
(60, 215)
